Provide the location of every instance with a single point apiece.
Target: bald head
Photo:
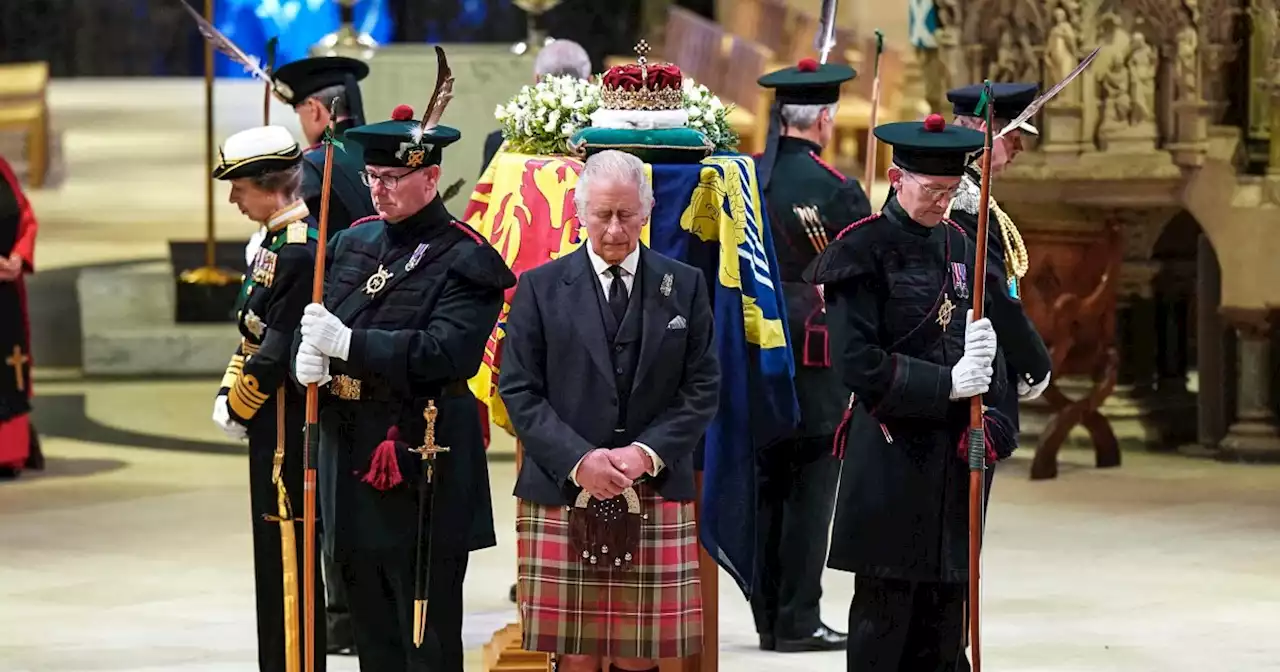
(562, 57)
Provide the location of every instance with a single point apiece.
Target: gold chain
(1016, 262)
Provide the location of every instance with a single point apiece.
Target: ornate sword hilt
(430, 449)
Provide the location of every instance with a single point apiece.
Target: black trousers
(380, 595)
(796, 500)
(337, 613)
(905, 626)
(268, 566)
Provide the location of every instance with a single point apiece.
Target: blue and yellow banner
(708, 215)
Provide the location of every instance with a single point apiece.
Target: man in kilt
(610, 377)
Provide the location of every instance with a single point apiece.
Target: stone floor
(132, 551)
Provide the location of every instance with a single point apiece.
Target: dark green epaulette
(297, 232)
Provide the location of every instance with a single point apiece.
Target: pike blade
(1048, 95)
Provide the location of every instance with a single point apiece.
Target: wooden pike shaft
(977, 443)
(313, 429)
(870, 173)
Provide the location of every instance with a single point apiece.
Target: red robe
(17, 234)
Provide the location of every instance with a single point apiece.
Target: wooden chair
(750, 116)
(24, 106)
(697, 46)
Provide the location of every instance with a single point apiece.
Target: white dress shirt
(629, 266)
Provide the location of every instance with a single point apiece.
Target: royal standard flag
(708, 215)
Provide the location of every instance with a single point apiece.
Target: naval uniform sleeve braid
(269, 367)
(233, 370)
(522, 382)
(451, 344)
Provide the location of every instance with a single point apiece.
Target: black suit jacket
(558, 384)
(491, 144)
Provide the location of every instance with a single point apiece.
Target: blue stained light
(298, 23)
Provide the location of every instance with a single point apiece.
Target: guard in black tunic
(262, 165)
(898, 287)
(410, 300)
(808, 201)
(313, 85)
(1024, 350)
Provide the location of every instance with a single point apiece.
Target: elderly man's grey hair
(619, 167)
(803, 117)
(562, 57)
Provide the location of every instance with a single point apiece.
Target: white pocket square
(677, 322)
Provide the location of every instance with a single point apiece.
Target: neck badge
(378, 281)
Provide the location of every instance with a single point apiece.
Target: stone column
(1211, 360)
(1172, 407)
(1136, 342)
(1253, 436)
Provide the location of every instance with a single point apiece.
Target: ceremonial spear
(977, 436)
(875, 108)
(312, 441)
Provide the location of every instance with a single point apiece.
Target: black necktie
(617, 293)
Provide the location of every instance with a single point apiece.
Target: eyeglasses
(388, 181)
(934, 191)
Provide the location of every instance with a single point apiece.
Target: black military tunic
(349, 200)
(1024, 350)
(275, 292)
(897, 293)
(421, 297)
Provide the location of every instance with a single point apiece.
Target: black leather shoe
(768, 643)
(822, 639)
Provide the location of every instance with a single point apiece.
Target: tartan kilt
(567, 606)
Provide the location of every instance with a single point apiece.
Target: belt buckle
(345, 387)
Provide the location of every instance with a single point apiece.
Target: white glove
(255, 242)
(222, 418)
(1028, 392)
(311, 365)
(971, 376)
(979, 339)
(324, 332)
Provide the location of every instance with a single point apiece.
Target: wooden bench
(750, 115)
(24, 107)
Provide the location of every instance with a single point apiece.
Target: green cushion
(662, 145)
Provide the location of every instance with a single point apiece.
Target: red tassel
(962, 448)
(384, 468)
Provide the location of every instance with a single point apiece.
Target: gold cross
(430, 448)
(944, 312)
(17, 360)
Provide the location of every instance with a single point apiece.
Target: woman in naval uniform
(264, 168)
